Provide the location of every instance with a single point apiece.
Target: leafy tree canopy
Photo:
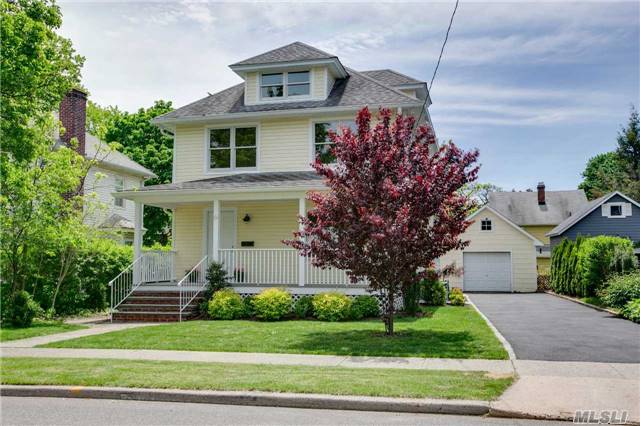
(38, 68)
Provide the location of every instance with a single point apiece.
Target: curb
(496, 332)
(580, 302)
(291, 400)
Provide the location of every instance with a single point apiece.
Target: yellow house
(242, 168)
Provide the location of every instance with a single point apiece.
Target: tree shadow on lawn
(406, 342)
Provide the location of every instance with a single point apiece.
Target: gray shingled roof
(296, 51)
(391, 77)
(303, 179)
(100, 151)
(522, 207)
(354, 91)
(580, 214)
(117, 221)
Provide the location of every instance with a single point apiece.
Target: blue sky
(538, 87)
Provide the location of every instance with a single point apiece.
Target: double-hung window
(233, 148)
(118, 186)
(285, 85)
(322, 145)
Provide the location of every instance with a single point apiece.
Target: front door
(227, 230)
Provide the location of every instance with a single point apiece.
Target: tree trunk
(388, 314)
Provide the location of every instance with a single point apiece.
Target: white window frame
(486, 219)
(232, 147)
(625, 208)
(312, 133)
(285, 83)
(118, 185)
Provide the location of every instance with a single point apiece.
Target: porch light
(246, 218)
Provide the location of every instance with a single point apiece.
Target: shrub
(411, 298)
(226, 304)
(23, 309)
(249, 312)
(364, 307)
(434, 293)
(631, 310)
(621, 289)
(216, 278)
(456, 297)
(272, 304)
(331, 306)
(303, 308)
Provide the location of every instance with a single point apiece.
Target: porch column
(137, 239)
(302, 210)
(215, 227)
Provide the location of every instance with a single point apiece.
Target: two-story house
(112, 171)
(242, 164)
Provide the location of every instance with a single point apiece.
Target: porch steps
(157, 305)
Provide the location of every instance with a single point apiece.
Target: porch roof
(263, 185)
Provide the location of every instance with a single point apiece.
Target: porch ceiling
(240, 186)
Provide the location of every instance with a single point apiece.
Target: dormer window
(285, 85)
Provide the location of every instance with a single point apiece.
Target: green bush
(272, 304)
(331, 306)
(456, 297)
(434, 293)
(226, 304)
(23, 309)
(631, 310)
(411, 298)
(364, 307)
(249, 312)
(216, 279)
(303, 308)
(581, 267)
(620, 289)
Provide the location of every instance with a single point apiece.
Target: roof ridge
(380, 83)
(299, 43)
(315, 48)
(397, 73)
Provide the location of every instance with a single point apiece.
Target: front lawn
(452, 332)
(38, 328)
(273, 378)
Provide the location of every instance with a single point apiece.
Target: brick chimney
(73, 115)
(541, 198)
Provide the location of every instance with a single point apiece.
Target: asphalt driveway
(545, 327)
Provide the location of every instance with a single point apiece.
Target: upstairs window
(118, 187)
(485, 224)
(323, 147)
(233, 148)
(616, 210)
(285, 85)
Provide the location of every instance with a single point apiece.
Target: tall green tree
(38, 68)
(146, 144)
(618, 170)
(478, 194)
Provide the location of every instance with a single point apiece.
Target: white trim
(588, 212)
(335, 62)
(285, 89)
(606, 210)
(232, 148)
(205, 236)
(490, 251)
(312, 132)
(536, 241)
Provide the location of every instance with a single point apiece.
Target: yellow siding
(318, 82)
(539, 231)
(410, 92)
(251, 88)
(543, 265)
(503, 238)
(271, 222)
(188, 237)
(189, 152)
(285, 144)
(330, 83)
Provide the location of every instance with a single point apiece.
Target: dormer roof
(296, 53)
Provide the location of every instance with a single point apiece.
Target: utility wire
(435, 71)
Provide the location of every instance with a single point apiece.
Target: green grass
(452, 332)
(273, 378)
(38, 328)
(594, 300)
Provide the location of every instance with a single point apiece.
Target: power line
(435, 71)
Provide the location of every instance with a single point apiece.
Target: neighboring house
(508, 247)
(242, 163)
(113, 171)
(613, 214)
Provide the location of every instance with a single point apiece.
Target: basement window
(485, 225)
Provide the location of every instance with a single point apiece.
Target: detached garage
(501, 256)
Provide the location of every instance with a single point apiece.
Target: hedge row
(581, 267)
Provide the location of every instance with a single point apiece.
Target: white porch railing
(276, 266)
(124, 284)
(157, 266)
(192, 284)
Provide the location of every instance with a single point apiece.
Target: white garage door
(487, 271)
